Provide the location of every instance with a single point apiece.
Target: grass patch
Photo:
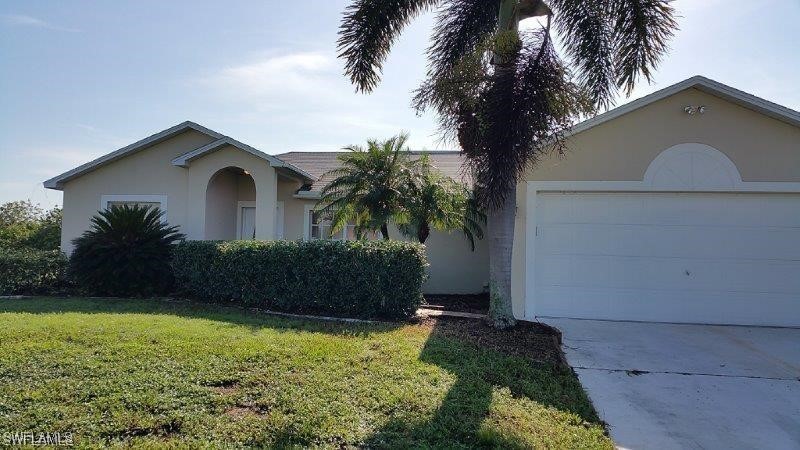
(149, 372)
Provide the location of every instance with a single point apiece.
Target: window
(121, 203)
(319, 227)
(158, 201)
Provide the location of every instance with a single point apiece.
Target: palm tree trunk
(500, 227)
(385, 231)
(500, 219)
(423, 232)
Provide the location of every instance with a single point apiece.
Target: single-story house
(681, 206)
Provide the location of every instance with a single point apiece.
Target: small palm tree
(509, 96)
(369, 186)
(127, 251)
(435, 201)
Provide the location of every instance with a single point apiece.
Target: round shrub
(126, 252)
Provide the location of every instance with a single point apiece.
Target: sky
(82, 78)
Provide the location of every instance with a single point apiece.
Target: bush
(126, 252)
(28, 271)
(365, 279)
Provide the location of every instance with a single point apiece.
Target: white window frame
(342, 235)
(161, 199)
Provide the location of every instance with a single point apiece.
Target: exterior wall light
(692, 110)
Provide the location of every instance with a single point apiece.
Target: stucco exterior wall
(763, 149)
(293, 220)
(225, 190)
(150, 172)
(147, 172)
(264, 177)
(454, 268)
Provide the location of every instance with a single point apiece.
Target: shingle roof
(450, 163)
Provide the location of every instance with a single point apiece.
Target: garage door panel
(664, 306)
(671, 241)
(669, 208)
(693, 257)
(566, 271)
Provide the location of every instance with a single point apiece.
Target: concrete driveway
(665, 386)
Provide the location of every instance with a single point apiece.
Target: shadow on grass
(218, 312)
(481, 360)
(459, 420)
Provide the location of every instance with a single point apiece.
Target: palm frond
(366, 190)
(523, 112)
(462, 26)
(643, 29)
(367, 32)
(587, 35)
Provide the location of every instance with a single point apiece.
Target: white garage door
(670, 257)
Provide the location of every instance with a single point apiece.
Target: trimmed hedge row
(28, 271)
(365, 279)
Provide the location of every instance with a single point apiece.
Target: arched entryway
(230, 205)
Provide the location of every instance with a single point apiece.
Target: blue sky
(82, 78)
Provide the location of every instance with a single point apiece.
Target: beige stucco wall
(150, 172)
(266, 184)
(454, 268)
(763, 149)
(225, 190)
(293, 225)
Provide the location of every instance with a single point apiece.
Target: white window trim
(161, 199)
(239, 206)
(307, 225)
(307, 222)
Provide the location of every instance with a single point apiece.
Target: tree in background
(435, 201)
(509, 96)
(368, 188)
(24, 224)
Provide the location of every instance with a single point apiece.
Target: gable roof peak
(703, 84)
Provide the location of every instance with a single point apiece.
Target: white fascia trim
(308, 195)
(704, 84)
(186, 159)
(57, 181)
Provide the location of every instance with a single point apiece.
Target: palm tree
(127, 251)
(435, 201)
(508, 96)
(368, 188)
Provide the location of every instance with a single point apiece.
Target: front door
(248, 223)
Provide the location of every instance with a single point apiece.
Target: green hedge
(368, 279)
(27, 271)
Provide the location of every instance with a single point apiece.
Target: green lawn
(150, 372)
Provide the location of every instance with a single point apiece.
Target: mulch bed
(471, 303)
(531, 340)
